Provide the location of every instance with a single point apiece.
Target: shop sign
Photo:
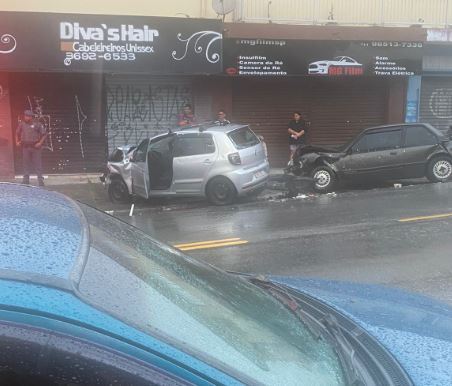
(267, 57)
(117, 44)
(441, 35)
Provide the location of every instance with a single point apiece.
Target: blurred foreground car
(86, 299)
(219, 162)
(390, 152)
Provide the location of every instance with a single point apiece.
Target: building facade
(99, 79)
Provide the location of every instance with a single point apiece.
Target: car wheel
(118, 192)
(324, 179)
(439, 169)
(221, 191)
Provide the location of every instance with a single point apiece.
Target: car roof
(36, 223)
(211, 128)
(396, 125)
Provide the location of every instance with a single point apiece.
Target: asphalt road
(399, 237)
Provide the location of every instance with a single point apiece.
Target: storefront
(435, 86)
(341, 87)
(97, 81)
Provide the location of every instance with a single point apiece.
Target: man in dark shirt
(221, 118)
(30, 135)
(297, 132)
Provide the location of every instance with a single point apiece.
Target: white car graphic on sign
(323, 67)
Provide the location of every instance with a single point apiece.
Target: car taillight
(234, 159)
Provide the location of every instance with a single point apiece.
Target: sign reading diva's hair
(99, 43)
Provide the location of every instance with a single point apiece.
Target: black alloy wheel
(118, 192)
(221, 191)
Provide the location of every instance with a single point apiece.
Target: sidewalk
(64, 179)
(85, 178)
(87, 188)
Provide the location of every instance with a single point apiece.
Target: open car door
(140, 171)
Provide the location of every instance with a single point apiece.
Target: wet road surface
(400, 237)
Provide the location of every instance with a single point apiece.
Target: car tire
(324, 179)
(118, 192)
(221, 191)
(439, 169)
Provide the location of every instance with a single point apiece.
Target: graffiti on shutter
(69, 108)
(436, 102)
(138, 108)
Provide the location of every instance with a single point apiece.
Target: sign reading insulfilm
(268, 57)
(124, 44)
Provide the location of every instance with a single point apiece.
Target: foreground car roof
(417, 330)
(35, 223)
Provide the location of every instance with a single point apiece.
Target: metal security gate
(143, 106)
(6, 136)
(436, 102)
(338, 109)
(70, 106)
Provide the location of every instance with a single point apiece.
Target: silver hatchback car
(213, 161)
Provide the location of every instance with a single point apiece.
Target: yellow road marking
(211, 244)
(206, 242)
(420, 218)
(214, 245)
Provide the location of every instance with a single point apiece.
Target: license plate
(258, 175)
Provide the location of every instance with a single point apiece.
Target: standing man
(187, 117)
(297, 132)
(221, 118)
(30, 135)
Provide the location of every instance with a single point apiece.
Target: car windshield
(229, 322)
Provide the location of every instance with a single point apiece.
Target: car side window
(194, 144)
(360, 146)
(141, 151)
(162, 146)
(419, 136)
(386, 140)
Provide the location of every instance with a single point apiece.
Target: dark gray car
(389, 152)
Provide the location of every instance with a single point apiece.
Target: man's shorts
(293, 148)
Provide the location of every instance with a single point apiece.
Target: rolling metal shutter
(436, 102)
(70, 107)
(338, 109)
(6, 135)
(143, 106)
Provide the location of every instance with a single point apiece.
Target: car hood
(417, 330)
